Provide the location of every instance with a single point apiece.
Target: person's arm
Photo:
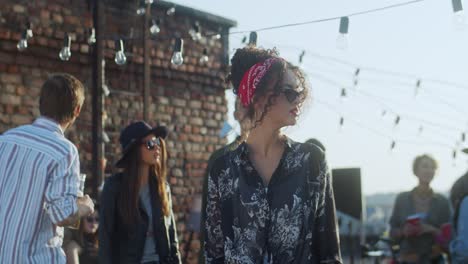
(85, 207)
(174, 240)
(214, 240)
(459, 245)
(396, 227)
(106, 222)
(444, 214)
(72, 251)
(61, 192)
(327, 242)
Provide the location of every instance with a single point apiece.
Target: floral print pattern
(292, 220)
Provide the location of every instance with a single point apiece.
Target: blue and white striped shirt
(39, 171)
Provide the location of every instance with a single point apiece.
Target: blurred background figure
(459, 199)
(418, 216)
(81, 245)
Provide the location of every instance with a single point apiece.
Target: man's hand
(85, 206)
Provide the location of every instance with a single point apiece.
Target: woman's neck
(263, 138)
(423, 189)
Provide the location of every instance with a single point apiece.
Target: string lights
(155, 29)
(253, 38)
(204, 58)
(342, 39)
(195, 32)
(178, 56)
(301, 56)
(171, 11)
(23, 42)
(91, 36)
(417, 88)
(65, 52)
(459, 18)
(120, 58)
(27, 34)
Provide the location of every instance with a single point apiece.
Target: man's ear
(77, 111)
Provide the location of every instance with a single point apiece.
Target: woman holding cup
(419, 215)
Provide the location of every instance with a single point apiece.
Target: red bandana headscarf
(251, 79)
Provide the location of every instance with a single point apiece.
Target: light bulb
(23, 42)
(29, 33)
(105, 90)
(197, 36)
(65, 53)
(253, 38)
(459, 20)
(195, 33)
(148, 2)
(154, 29)
(204, 59)
(214, 38)
(120, 58)
(177, 59)
(92, 36)
(343, 95)
(342, 41)
(170, 11)
(141, 11)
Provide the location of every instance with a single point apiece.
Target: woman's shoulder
(441, 198)
(72, 245)
(112, 183)
(316, 152)
(403, 196)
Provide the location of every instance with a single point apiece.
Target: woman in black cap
(136, 219)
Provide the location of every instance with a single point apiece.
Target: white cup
(81, 184)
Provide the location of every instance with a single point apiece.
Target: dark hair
(129, 189)
(245, 58)
(316, 142)
(61, 93)
(418, 160)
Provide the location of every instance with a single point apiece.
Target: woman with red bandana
(271, 199)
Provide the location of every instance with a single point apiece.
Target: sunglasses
(152, 143)
(91, 219)
(292, 95)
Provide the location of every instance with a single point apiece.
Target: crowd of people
(266, 198)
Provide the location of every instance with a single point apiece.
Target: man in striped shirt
(39, 178)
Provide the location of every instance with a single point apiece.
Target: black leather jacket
(116, 245)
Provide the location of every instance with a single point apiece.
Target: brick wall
(188, 99)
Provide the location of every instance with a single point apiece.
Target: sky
(393, 49)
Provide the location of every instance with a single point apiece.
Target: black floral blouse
(292, 220)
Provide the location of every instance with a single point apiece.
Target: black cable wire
(329, 19)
